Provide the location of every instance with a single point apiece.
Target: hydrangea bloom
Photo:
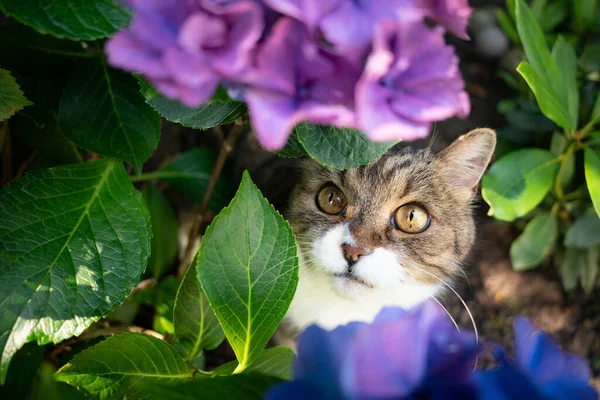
(451, 14)
(401, 355)
(411, 78)
(541, 371)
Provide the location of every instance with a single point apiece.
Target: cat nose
(352, 254)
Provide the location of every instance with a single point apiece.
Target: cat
(392, 233)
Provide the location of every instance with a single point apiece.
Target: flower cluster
(419, 354)
(374, 65)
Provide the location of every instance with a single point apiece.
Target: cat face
(405, 219)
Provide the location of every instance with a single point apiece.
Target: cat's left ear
(464, 161)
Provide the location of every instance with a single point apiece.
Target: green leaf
(70, 19)
(585, 231)
(237, 387)
(518, 182)
(276, 361)
(584, 14)
(196, 326)
(507, 25)
(164, 232)
(589, 272)
(215, 112)
(552, 15)
(563, 54)
(120, 366)
(293, 148)
(248, 269)
(547, 98)
(22, 372)
(592, 176)
(569, 269)
(103, 111)
(12, 98)
(595, 117)
(74, 240)
(190, 173)
(590, 59)
(339, 148)
(534, 244)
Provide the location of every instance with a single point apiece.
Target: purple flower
(294, 80)
(401, 355)
(452, 14)
(186, 47)
(411, 79)
(541, 371)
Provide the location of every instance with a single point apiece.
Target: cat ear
(464, 161)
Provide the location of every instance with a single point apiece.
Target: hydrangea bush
(88, 241)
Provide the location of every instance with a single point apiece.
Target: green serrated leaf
(164, 232)
(120, 366)
(248, 269)
(518, 182)
(293, 148)
(534, 244)
(546, 96)
(196, 326)
(339, 148)
(592, 176)
(107, 103)
(70, 19)
(276, 361)
(74, 240)
(190, 173)
(236, 387)
(589, 272)
(585, 231)
(563, 54)
(12, 98)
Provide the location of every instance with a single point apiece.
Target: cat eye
(411, 218)
(331, 200)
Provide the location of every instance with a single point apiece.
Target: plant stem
(226, 149)
(563, 162)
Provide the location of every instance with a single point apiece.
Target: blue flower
(540, 371)
(416, 354)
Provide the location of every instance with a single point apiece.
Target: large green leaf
(339, 148)
(73, 242)
(534, 244)
(103, 111)
(547, 97)
(70, 19)
(12, 98)
(276, 361)
(236, 387)
(518, 182)
(120, 366)
(196, 326)
(164, 231)
(592, 176)
(585, 231)
(248, 269)
(190, 173)
(563, 54)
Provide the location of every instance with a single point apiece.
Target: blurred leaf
(121, 365)
(164, 232)
(589, 272)
(22, 372)
(558, 144)
(518, 182)
(248, 269)
(585, 232)
(74, 240)
(48, 388)
(535, 243)
(546, 96)
(12, 98)
(512, 9)
(595, 117)
(276, 361)
(590, 59)
(108, 103)
(566, 172)
(537, 7)
(573, 262)
(339, 148)
(584, 14)
(235, 387)
(507, 25)
(566, 60)
(190, 173)
(528, 119)
(553, 14)
(196, 326)
(71, 19)
(592, 176)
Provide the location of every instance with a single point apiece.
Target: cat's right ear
(464, 161)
